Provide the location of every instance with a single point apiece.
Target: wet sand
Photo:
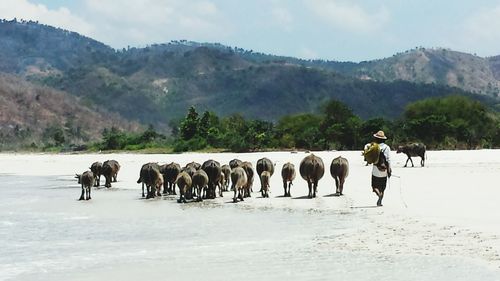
(439, 222)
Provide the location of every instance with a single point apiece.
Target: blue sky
(327, 29)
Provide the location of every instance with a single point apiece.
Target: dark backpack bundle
(382, 161)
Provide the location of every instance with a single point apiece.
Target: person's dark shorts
(379, 183)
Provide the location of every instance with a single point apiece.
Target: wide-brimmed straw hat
(380, 135)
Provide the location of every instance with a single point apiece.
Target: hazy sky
(327, 29)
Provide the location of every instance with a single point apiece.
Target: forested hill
(157, 84)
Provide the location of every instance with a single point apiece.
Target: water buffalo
(312, 170)
(265, 177)
(110, 170)
(151, 177)
(170, 173)
(226, 170)
(238, 183)
(200, 183)
(339, 169)
(264, 164)
(87, 181)
(184, 183)
(195, 165)
(413, 150)
(288, 175)
(235, 163)
(96, 169)
(247, 166)
(213, 170)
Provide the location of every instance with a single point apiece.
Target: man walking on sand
(381, 170)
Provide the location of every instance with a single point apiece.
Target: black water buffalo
(238, 183)
(151, 177)
(193, 164)
(339, 169)
(213, 170)
(170, 173)
(264, 164)
(288, 175)
(413, 150)
(312, 170)
(110, 170)
(96, 169)
(87, 181)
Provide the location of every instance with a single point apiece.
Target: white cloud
(479, 32)
(347, 15)
(307, 53)
(137, 22)
(61, 17)
(282, 17)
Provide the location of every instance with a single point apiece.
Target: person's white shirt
(386, 150)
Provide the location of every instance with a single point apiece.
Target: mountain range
(158, 83)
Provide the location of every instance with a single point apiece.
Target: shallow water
(48, 235)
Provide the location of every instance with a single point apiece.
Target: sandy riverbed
(438, 222)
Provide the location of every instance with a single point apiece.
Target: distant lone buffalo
(413, 150)
(96, 169)
(339, 169)
(312, 170)
(213, 170)
(110, 170)
(238, 183)
(170, 173)
(151, 177)
(87, 181)
(264, 164)
(288, 175)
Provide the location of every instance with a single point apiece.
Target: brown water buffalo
(184, 183)
(110, 170)
(238, 183)
(200, 183)
(96, 169)
(264, 164)
(339, 169)
(151, 177)
(226, 170)
(288, 175)
(170, 173)
(213, 170)
(247, 166)
(265, 178)
(87, 181)
(413, 150)
(312, 170)
(235, 163)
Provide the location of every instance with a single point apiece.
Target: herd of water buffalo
(197, 181)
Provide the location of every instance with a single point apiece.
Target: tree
(189, 126)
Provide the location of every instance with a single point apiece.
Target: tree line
(453, 122)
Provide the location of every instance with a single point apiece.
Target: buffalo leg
(315, 186)
(88, 194)
(289, 189)
(337, 185)
(82, 196)
(309, 185)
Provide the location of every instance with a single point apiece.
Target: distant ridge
(156, 84)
